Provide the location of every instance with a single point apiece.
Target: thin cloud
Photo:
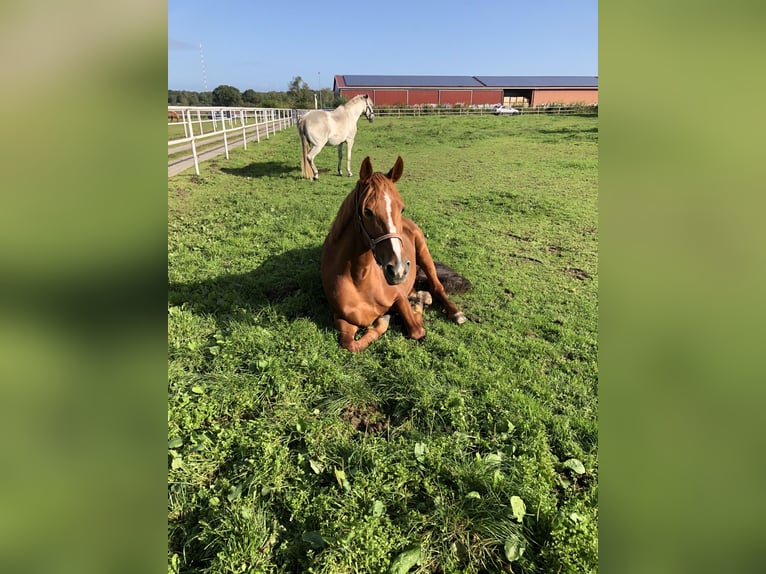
(178, 45)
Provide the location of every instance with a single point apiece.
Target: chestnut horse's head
(379, 212)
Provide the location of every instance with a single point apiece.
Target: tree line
(298, 95)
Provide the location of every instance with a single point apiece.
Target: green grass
(289, 454)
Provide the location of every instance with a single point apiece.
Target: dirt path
(180, 164)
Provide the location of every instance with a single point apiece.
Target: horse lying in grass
(370, 259)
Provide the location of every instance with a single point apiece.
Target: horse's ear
(396, 171)
(365, 172)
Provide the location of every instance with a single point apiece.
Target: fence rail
(458, 110)
(198, 133)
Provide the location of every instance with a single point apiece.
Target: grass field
(475, 451)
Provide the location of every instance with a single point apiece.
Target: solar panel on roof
(411, 81)
(472, 81)
(540, 81)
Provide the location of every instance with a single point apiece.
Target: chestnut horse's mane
(345, 217)
(347, 212)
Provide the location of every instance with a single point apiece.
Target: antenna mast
(202, 63)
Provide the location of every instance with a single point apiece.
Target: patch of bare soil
(365, 418)
(525, 258)
(578, 273)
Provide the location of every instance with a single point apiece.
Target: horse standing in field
(173, 116)
(317, 128)
(369, 262)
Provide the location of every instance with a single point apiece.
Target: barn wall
(423, 97)
(466, 96)
(481, 97)
(541, 97)
(455, 97)
(351, 92)
(389, 97)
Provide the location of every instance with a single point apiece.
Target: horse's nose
(396, 273)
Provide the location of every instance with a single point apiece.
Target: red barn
(518, 91)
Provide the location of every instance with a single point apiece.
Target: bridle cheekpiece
(373, 242)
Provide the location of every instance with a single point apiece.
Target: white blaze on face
(397, 245)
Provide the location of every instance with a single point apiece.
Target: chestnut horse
(173, 116)
(369, 261)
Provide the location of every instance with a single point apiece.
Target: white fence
(198, 133)
(459, 110)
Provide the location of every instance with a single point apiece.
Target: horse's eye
(367, 212)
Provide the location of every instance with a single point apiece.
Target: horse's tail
(452, 281)
(308, 172)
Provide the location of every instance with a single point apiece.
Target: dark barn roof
(539, 81)
(363, 81)
(413, 81)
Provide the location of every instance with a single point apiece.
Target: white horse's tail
(308, 172)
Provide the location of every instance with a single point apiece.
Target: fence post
(186, 128)
(244, 130)
(225, 139)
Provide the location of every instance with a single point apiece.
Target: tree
(205, 98)
(251, 97)
(329, 100)
(300, 93)
(226, 96)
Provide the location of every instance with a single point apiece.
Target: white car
(500, 110)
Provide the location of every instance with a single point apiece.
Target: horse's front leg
(349, 145)
(412, 321)
(426, 262)
(340, 158)
(348, 333)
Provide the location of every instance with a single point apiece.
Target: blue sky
(264, 45)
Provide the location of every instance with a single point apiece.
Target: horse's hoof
(459, 318)
(419, 334)
(422, 298)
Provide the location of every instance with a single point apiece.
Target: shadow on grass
(264, 168)
(287, 284)
(567, 130)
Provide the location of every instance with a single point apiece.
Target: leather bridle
(373, 241)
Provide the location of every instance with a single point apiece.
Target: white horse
(318, 128)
